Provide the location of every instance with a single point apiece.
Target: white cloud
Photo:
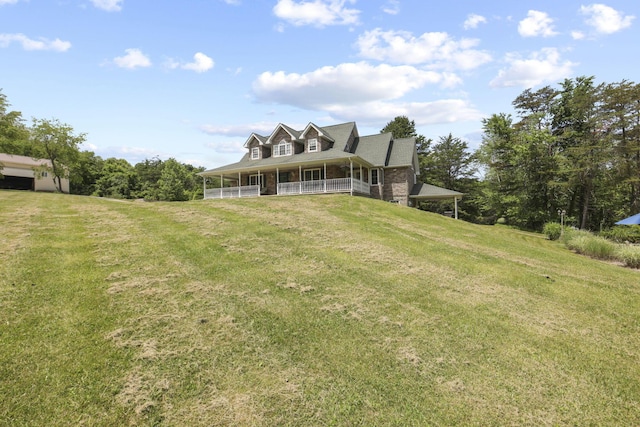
(30, 44)
(134, 58)
(261, 128)
(473, 21)
(605, 19)
(3, 2)
(230, 147)
(536, 24)
(200, 64)
(541, 67)
(423, 113)
(577, 35)
(392, 7)
(349, 83)
(318, 13)
(437, 50)
(108, 5)
(232, 2)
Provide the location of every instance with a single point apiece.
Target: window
(44, 174)
(313, 145)
(255, 153)
(282, 149)
(284, 177)
(376, 176)
(312, 174)
(256, 180)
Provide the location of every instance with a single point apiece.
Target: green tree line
(88, 174)
(574, 148)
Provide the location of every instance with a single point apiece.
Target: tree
(14, 135)
(85, 172)
(584, 145)
(56, 142)
(118, 179)
(450, 162)
(149, 172)
(401, 127)
(173, 181)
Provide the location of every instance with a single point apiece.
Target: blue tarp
(632, 220)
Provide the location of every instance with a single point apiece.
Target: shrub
(552, 230)
(629, 255)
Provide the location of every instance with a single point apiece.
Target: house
(327, 159)
(27, 173)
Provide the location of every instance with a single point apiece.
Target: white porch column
(455, 203)
(259, 183)
(239, 185)
(325, 177)
(300, 178)
(351, 173)
(277, 180)
(204, 187)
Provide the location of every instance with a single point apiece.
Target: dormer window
(255, 153)
(313, 145)
(283, 148)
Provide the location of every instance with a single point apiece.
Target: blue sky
(193, 79)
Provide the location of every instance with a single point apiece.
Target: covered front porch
(305, 179)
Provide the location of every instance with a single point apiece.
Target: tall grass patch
(588, 244)
(629, 255)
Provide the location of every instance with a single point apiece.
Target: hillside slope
(331, 310)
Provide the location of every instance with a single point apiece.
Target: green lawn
(312, 311)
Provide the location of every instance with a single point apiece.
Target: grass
(331, 310)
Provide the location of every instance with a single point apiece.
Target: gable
(283, 132)
(254, 140)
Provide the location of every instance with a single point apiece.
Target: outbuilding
(27, 173)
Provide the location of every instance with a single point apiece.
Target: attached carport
(422, 191)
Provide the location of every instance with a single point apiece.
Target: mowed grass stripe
(56, 367)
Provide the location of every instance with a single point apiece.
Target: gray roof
(374, 148)
(378, 150)
(428, 191)
(402, 152)
(339, 133)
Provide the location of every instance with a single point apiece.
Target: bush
(623, 233)
(552, 230)
(629, 255)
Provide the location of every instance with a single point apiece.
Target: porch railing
(337, 185)
(232, 192)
